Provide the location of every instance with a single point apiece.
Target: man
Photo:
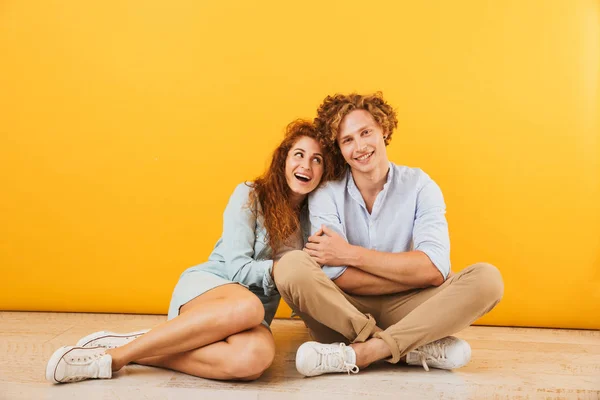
(376, 271)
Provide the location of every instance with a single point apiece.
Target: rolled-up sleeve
(239, 225)
(323, 211)
(430, 231)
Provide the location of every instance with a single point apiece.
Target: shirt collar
(353, 189)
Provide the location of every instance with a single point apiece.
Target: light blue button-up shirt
(242, 254)
(408, 214)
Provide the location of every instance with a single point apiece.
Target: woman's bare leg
(227, 318)
(243, 356)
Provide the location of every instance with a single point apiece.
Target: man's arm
(412, 269)
(323, 211)
(427, 265)
(408, 270)
(355, 281)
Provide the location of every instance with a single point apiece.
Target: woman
(220, 311)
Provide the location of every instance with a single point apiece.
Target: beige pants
(404, 320)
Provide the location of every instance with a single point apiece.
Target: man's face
(361, 141)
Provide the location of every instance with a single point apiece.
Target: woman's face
(304, 166)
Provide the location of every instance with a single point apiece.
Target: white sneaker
(447, 353)
(109, 340)
(74, 364)
(314, 358)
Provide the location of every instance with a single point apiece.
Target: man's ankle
(371, 351)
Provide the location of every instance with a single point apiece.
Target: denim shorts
(196, 281)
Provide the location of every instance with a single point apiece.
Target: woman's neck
(296, 200)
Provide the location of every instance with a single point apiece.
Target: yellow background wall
(125, 125)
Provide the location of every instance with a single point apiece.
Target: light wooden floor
(507, 363)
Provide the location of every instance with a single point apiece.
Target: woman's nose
(306, 163)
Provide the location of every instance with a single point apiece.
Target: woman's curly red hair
(271, 191)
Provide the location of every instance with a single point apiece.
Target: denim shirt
(408, 214)
(242, 254)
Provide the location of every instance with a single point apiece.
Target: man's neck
(370, 184)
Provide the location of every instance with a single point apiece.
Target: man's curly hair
(333, 110)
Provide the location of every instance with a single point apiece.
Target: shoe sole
(83, 342)
(53, 363)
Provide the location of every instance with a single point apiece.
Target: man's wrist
(352, 256)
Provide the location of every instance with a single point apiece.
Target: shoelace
(434, 351)
(332, 358)
(74, 360)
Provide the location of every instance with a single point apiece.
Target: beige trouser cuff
(366, 331)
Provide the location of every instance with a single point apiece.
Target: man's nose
(360, 144)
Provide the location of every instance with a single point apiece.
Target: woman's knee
(254, 353)
(250, 311)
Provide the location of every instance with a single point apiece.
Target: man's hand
(328, 248)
